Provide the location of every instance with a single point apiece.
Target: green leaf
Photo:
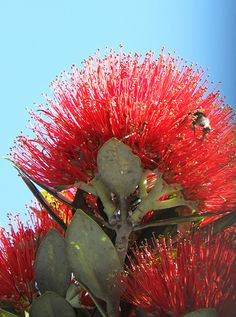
(119, 168)
(72, 296)
(105, 196)
(38, 195)
(72, 291)
(92, 256)
(80, 312)
(51, 266)
(4, 313)
(51, 304)
(208, 312)
(176, 220)
(222, 223)
(141, 313)
(6, 307)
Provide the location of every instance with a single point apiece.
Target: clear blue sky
(39, 39)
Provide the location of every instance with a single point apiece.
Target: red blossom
(18, 248)
(149, 104)
(169, 280)
(17, 253)
(62, 210)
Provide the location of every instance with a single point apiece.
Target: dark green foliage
(92, 256)
(208, 312)
(119, 168)
(51, 304)
(51, 267)
(4, 313)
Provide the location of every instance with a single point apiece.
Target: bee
(201, 120)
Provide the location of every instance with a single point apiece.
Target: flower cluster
(162, 108)
(172, 279)
(185, 137)
(18, 248)
(17, 253)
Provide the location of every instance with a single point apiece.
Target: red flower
(63, 211)
(171, 281)
(163, 108)
(18, 248)
(17, 253)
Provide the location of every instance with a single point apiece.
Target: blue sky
(39, 39)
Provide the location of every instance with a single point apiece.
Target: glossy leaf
(72, 296)
(176, 220)
(5, 313)
(72, 291)
(141, 313)
(92, 256)
(38, 195)
(51, 304)
(208, 312)
(80, 312)
(51, 266)
(222, 223)
(8, 308)
(119, 168)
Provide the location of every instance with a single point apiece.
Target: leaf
(8, 308)
(72, 291)
(105, 195)
(38, 195)
(51, 304)
(51, 266)
(72, 296)
(92, 256)
(176, 220)
(222, 223)
(119, 168)
(80, 312)
(208, 312)
(141, 313)
(4, 313)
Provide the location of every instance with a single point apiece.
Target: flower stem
(123, 230)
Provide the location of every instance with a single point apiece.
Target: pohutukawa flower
(169, 280)
(163, 108)
(18, 249)
(17, 253)
(62, 210)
